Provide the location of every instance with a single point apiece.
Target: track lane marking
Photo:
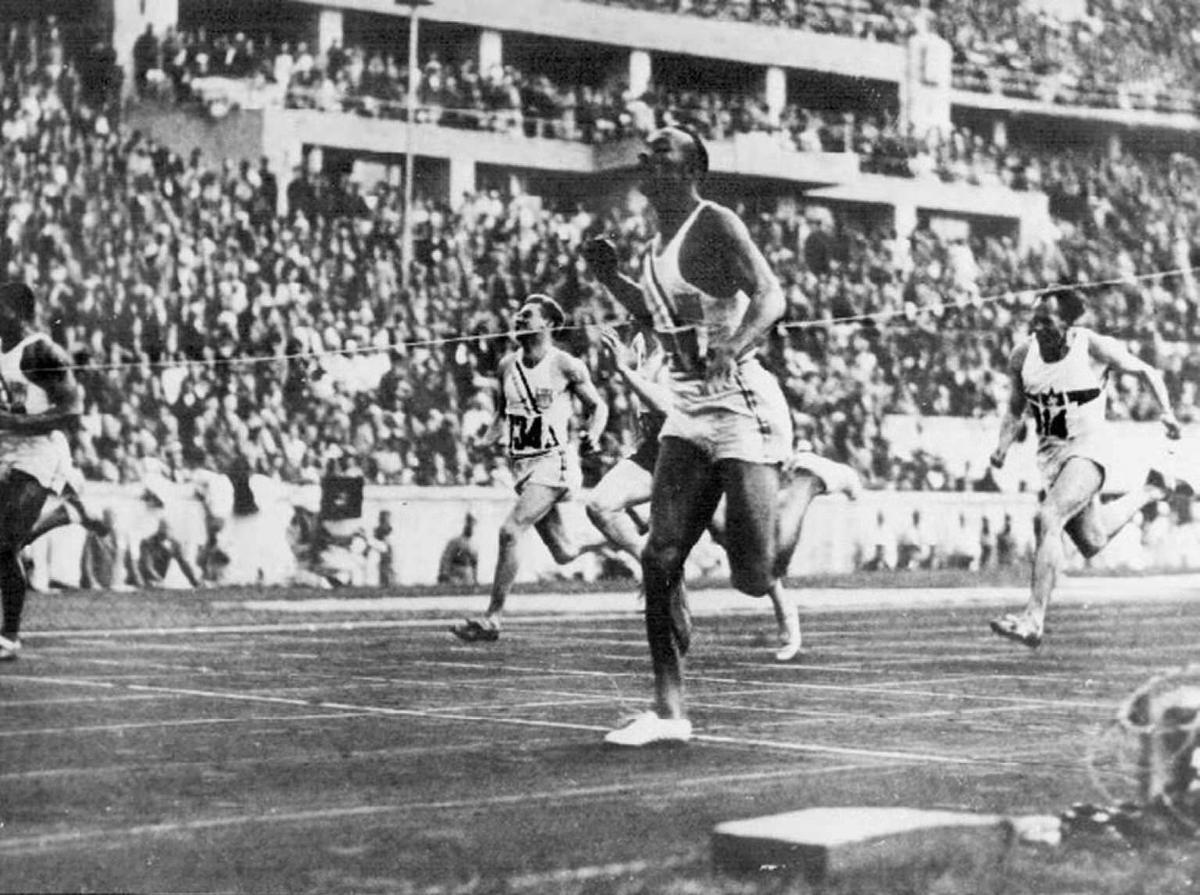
(388, 711)
(108, 837)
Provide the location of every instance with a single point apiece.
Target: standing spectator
(383, 545)
(460, 559)
(914, 549)
(215, 555)
(987, 544)
(1006, 544)
(145, 57)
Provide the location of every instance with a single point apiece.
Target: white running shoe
(648, 728)
(789, 635)
(1020, 628)
(837, 477)
(9, 648)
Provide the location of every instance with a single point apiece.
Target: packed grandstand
(231, 315)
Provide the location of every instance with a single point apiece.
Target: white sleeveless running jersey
(45, 456)
(1067, 397)
(685, 318)
(537, 402)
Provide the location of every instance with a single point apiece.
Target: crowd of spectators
(1105, 53)
(213, 332)
(507, 100)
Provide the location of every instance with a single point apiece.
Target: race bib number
(524, 433)
(1050, 417)
(688, 343)
(12, 395)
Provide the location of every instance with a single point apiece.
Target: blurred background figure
(460, 559)
(158, 554)
(107, 562)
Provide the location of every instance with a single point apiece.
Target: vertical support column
(491, 50)
(775, 91)
(926, 83)
(640, 71)
(1114, 144)
(1000, 132)
(329, 29)
(462, 179)
(130, 18)
(284, 152)
(905, 223)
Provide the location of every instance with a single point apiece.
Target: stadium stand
(230, 315)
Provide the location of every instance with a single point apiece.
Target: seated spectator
(107, 562)
(156, 555)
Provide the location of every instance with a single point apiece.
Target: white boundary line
(501, 720)
(107, 837)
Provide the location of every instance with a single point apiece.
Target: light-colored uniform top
(45, 456)
(745, 418)
(1067, 397)
(1068, 402)
(537, 404)
(686, 319)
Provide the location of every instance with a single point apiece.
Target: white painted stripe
(165, 725)
(845, 688)
(116, 837)
(537, 881)
(74, 700)
(435, 715)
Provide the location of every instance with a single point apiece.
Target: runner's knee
(510, 533)
(755, 580)
(662, 558)
(560, 552)
(1088, 542)
(1049, 522)
(601, 505)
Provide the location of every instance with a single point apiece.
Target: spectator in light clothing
(107, 561)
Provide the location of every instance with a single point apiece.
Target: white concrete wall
(837, 531)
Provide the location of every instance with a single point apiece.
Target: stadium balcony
(814, 42)
(451, 162)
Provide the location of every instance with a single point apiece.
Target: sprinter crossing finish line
(711, 297)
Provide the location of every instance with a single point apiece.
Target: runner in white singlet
(533, 415)
(1060, 374)
(711, 297)
(628, 484)
(39, 400)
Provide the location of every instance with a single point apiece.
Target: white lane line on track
(539, 881)
(302, 760)
(118, 837)
(321, 628)
(74, 700)
(183, 722)
(843, 688)
(434, 715)
(784, 686)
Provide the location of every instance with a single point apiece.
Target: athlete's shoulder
(1020, 353)
(42, 357)
(1105, 350)
(573, 367)
(716, 219)
(506, 363)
